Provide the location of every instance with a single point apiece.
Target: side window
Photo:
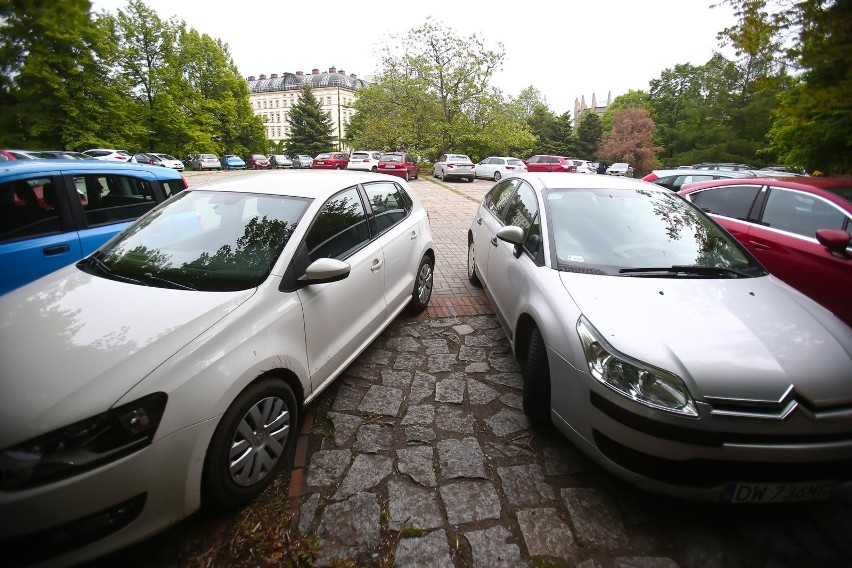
(800, 213)
(522, 209)
(172, 186)
(733, 201)
(498, 197)
(28, 208)
(443, 158)
(113, 198)
(533, 160)
(387, 204)
(680, 180)
(340, 228)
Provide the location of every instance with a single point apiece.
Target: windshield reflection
(204, 240)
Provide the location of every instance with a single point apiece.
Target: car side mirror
(325, 270)
(835, 240)
(512, 234)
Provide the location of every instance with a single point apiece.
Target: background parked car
(723, 166)
(303, 161)
(364, 160)
(208, 354)
(63, 155)
(451, 166)
(585, 167)
(331, 161)
(169, 161)
(206, 162)
(21, 154)
(656, 343)
(675, 179)
(399, 164)
(232, 162)
(799, 232)
(620, 169)
(109, 154)
(546, 163)
(144, 158)
(58, 211)
(256, 162)
(280, 161)
(495, 167)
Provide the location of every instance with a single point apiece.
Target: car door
(785, 243)
(488, 220)
(484, 168)
(399, 236)
(37, 235)
(341, 316)
(731, 206)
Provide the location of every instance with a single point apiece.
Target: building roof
(294, 81)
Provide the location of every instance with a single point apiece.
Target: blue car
(55, 212)
(231, 162)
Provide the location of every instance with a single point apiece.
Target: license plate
(777, 492)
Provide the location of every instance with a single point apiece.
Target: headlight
(83, 445)
(646, 385)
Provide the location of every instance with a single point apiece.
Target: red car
(331, 161)
(398, 164)
(799, 232)
(541, 163)
(256, 162)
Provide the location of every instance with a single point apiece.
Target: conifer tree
(310, 126)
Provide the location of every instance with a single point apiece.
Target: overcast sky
(566, 48)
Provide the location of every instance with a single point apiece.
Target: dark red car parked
(801, 233)
(398, 164)
(542, 163)
(331, 161)
(256, 162)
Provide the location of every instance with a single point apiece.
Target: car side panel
(26, 260)
(401, 249)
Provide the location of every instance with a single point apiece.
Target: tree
(631, 140)
(310, 126)
(589, 134)
(631, 99)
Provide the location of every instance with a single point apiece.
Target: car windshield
(617, 229)
(166, 157)
(257, 157)
(202, 240)
(391, 158)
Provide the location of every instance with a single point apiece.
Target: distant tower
(580, 105)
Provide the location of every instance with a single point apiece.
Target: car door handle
(479, 221)
(494, 241)
(377, 264)
(759, 246)
(413, 235)
(53, 251)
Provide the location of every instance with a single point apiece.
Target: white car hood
(72, 344)
(733, 338)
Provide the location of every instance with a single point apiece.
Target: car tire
(497, 176)
(407, 177)
(337, 168)
(471, 265)
(441, 175)
(416, 174)
(374, 169)
(423, 283)
(229, 483)
(536, 375)
(470, 180)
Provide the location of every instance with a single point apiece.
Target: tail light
(450, 166)
(650, 177)
(185, 185)
(510, 167)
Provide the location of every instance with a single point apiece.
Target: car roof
(696, 172)
(800, 184)
(319, 184)
(51, 167)
(561, 180)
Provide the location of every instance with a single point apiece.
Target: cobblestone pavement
(422, 444)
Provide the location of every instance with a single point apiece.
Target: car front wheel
(536, 375)
(471, 265)
(252, 443)
(496, 176)
(423, 282)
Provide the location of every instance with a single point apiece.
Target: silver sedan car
(171, 366)
(659, 346)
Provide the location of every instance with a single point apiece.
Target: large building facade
(272, 97)
(580, 105)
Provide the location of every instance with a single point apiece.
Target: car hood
(748, 338)
(72, 344)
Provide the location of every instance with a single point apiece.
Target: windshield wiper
(169, 283)
(101, 265)
(688, 269)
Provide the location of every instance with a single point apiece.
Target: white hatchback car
(364, 160)
(171, 366)
(109, 154)
(170, 161)
(496, 167)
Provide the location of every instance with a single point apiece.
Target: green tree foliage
(310, 126)
(631, 140)
(589, 134)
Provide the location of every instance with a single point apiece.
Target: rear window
(459, 158)
(515, 162)
(323, 156)
(360, 155)
(208, 157)
(391, 158)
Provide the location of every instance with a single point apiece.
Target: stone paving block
(461, 458)
(373, 438)
(518, 451)
(513, 380)
(397, 379)
(414, 506)
(596, 521)
(436, 346)
(490, 549)
(505, 364)
(481, 367)
(524, 485)
(407, 361)
(428, 551)
(454, 419)
(545, 534)
(344, 426)
(307, 513)
(367, 471)
(441, 363)
(513, 400)
(375, 357)
(508, 421)
(348, 529)
(472, 354)
(419, 435)
(560, 460)
(327, 466)
(422, 387)
(478, 341)
(381, 400)
(463, 329)
(348, 398)
(478, 393)
(423, 414)
(418, 462)
(470, 501)
(644, 562)
(450, 390)
(402, 344)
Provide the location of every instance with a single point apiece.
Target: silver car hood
(747, 338)
(72, 344)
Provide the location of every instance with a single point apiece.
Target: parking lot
(420, 453)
